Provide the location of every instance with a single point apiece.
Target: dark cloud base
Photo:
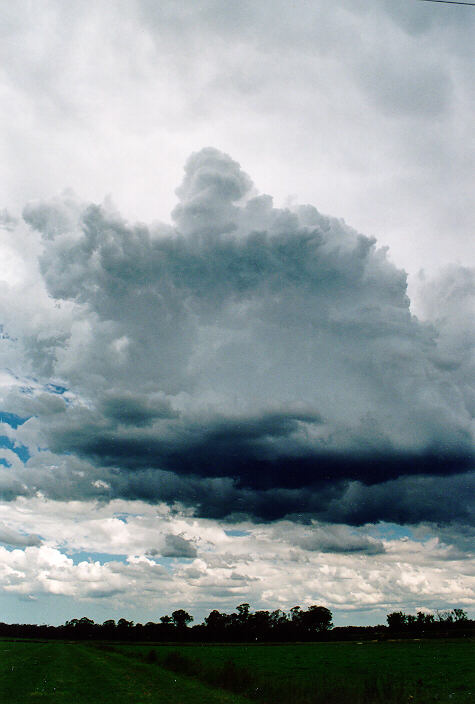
(407, 500)
(287, 472)
(226, 475)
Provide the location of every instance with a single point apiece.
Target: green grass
(322, 673)
(319, 673)
(68, 672)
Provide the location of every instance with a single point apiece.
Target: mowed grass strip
(419, 672)
(71, 672)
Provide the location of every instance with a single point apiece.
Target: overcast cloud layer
(246, 367)
(363, 108)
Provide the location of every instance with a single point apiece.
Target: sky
(236, 314)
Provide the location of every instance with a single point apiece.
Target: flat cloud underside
(418, 499)
(248, 359)
(242, 458)
(409, 499)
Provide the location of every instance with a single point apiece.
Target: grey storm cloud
(246, 359)
(414, 499)
(134, 409)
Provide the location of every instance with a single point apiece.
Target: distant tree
(108, 629)
(81, 627)
(445, 617)
(396, 620)
(260, 625)
(441, 622)
(278, 618)
(181, 618)
(72, 623)
(242, 613)
(316, 619)
(296, 615)
(423, 619)
(460, 616)
(216, 621)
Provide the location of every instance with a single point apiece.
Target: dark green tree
(397, 620)
(181, 618)
(316, 619)
(217, 621)
(242, 613)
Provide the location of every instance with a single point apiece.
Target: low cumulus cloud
(328, 538)
(16, 539)
(174, 546)
(279, 564)
(177, 546)
(244, 360)
(46, 570)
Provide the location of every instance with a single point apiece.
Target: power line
(451, 2)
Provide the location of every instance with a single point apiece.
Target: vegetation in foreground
(328, 673)
(320, 673)
(74, 673)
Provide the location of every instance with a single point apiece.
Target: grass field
(403, 671)
(320, 673)
(67, 673)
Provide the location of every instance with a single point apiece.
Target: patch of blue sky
(20, 450)
(237, 533)
(102, 557)
(27, 390)
(54, 609)
(391, 531)
(170, 562)
(123, 516)
(12, 419)
(56, 389)
(4, 462)
(359, 617)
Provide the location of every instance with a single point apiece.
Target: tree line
(243, 625)
(453, 620)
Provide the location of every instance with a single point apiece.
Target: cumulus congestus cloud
(246, 359)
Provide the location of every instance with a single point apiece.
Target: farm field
(322, 673)
(316, 673)
(72, 672)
